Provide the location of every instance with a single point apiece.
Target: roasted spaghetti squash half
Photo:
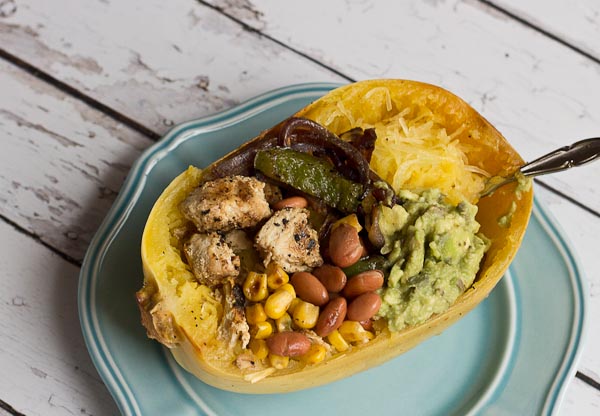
(378, 181)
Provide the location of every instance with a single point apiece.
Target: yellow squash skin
(210, 360)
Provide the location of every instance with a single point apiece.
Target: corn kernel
(276, 276)
(255, 314)
(259, 348)
(278, 303)
(315, 355)
(262, 330)
(306, 315)
(352, 331)
(293, 305)
(288, 288)
(337, 341)
(278, 361)
(284, 323)
(255, 286)
(351, 219)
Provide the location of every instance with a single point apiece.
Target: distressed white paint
(159, 62)
(62, 163)
(580, 400)
(540, 94)
(45, 365)
(576, 22)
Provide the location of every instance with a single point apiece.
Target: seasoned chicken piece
(234, 326)
(226, 204)
(287, 239)
(211, 258)
(238, 241)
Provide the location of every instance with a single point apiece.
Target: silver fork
(564, 158)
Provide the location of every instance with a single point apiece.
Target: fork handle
(566, 157)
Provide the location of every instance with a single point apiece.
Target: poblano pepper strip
(375, 262)
(311, 175)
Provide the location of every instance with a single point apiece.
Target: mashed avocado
(523, 185)
(435, 250)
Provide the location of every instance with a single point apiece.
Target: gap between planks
(79, 95)
(539, 29)
(250, 29)
(8, 408)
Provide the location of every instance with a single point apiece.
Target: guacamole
(435, 250)
(523, 185)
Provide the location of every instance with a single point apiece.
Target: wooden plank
(157, 62)
(62, 163)
(45, 364)
(580, 399)
(540, 94)
(577, 22)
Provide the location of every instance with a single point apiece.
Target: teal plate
(514, 354)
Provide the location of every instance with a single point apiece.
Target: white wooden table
(86, 86)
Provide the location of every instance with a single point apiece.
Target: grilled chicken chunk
(234, 326)
(226, 204)
(287, 239)
(211, 258)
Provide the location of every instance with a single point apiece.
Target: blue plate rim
(136, 180)
(576, 340)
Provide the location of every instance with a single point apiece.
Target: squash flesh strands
(426, 137)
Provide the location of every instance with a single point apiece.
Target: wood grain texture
(160, 63)
(540, 94)
(45, 364)
(576, 22)
(62, 163)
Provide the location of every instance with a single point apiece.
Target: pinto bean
(288, 344)
(367, 324)
(364, 307)
(345, 248)
(309, 288)
(363, 282)
(331, 317)
(333, 278)
(291, 202)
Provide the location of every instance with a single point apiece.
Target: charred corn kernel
(337, 341)
(315, 355)
(262, 330)
(255, 286)
(259, 348)
(288, 288)
(277, 303)
(351, 219)
(305, 315)
(278, 361)
(255, 314)
(293, 305)
(352, 331)
(276, 276)
(284, 323)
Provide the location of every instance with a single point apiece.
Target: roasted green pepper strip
(375, 262)
(311, 175)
